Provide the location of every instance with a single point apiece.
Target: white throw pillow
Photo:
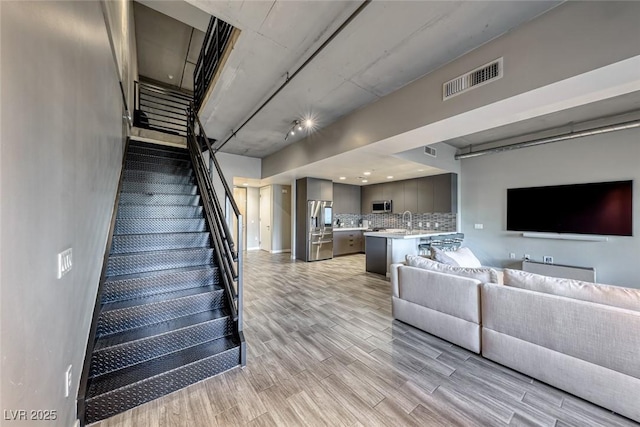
(463, 257)
(485, 275)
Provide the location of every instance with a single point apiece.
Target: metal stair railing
(213, 47)
(229, 253)
(160, 108)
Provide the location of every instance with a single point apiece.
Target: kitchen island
(383, 248)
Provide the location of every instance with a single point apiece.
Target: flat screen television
(603, 208)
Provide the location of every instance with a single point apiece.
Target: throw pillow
(485, 275)
(615, 296)
(463, 257)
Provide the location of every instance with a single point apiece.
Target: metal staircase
(165, 318)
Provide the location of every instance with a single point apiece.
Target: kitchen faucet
(410, 224)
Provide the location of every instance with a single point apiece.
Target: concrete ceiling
(387, 46)
(167, 46)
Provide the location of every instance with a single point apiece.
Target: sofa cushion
(482, 274)
(462, 257)
(615, 296)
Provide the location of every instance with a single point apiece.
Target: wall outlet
(435, 225)
(512, 255)
(65, 262)
(428, 224)
(478, 226)
(67, 381)
(526, 257)
(547, 259)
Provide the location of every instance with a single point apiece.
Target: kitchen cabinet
(430, 194)
(347, 242)
(445, 192)
(370, 193)
(346, 199)
(319, 189)
(394, 191)
(425, 195)
(410, 190)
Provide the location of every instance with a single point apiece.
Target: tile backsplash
(445, 221)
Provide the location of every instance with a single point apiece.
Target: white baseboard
(281, 251)
(257, 248)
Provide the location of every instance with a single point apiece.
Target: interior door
(265, 218)
(240, 195)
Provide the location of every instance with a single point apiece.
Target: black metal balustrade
(215, 42)
(227, 243)
(160, 108)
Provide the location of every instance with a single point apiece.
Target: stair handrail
(227, 251)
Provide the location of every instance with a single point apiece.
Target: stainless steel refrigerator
(319, 230)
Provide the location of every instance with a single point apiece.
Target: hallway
(324, 350)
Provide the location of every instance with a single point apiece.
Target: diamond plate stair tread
(158, 199)
(138, 262)
(158, 160)
(131, 243)
(126, 318)
(154, 299)
(159, 328)
(132, 175)
(160, 152)
(130, 211)
(153, 167)
(128, 226)
(162, 365)
(161, 188)
(140, 285)
(145, 348)
(154, 145)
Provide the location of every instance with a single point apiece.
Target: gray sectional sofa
(580, 337)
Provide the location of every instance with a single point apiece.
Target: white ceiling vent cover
(471, 80)
(429, 151)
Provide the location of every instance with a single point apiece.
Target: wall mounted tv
(603, 208)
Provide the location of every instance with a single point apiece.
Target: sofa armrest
(394, 279)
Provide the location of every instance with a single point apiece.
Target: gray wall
(60, 161)
(484, 182)
(535, 55)
(281, 218)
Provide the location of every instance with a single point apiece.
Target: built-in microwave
(381, 206)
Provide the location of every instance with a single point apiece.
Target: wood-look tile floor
(323, 349)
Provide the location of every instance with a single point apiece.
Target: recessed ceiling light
(390, 177)
(364, 180)
(292, 132)
(367, 173)
(170, 76)
(343, 177)
(300, 127)
(308, 123)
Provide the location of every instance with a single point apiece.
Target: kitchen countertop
(417, 234)
(348, 229)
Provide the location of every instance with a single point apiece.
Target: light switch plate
(65, 262)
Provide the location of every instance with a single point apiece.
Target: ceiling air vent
(429, 151)
(481, 75)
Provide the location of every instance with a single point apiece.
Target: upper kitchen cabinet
(394, 191)
(410, 190)
(319, 189)
(346, 199)
(425, 194)
(370, 193)
(445, 192)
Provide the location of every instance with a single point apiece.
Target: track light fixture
(298, 126)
